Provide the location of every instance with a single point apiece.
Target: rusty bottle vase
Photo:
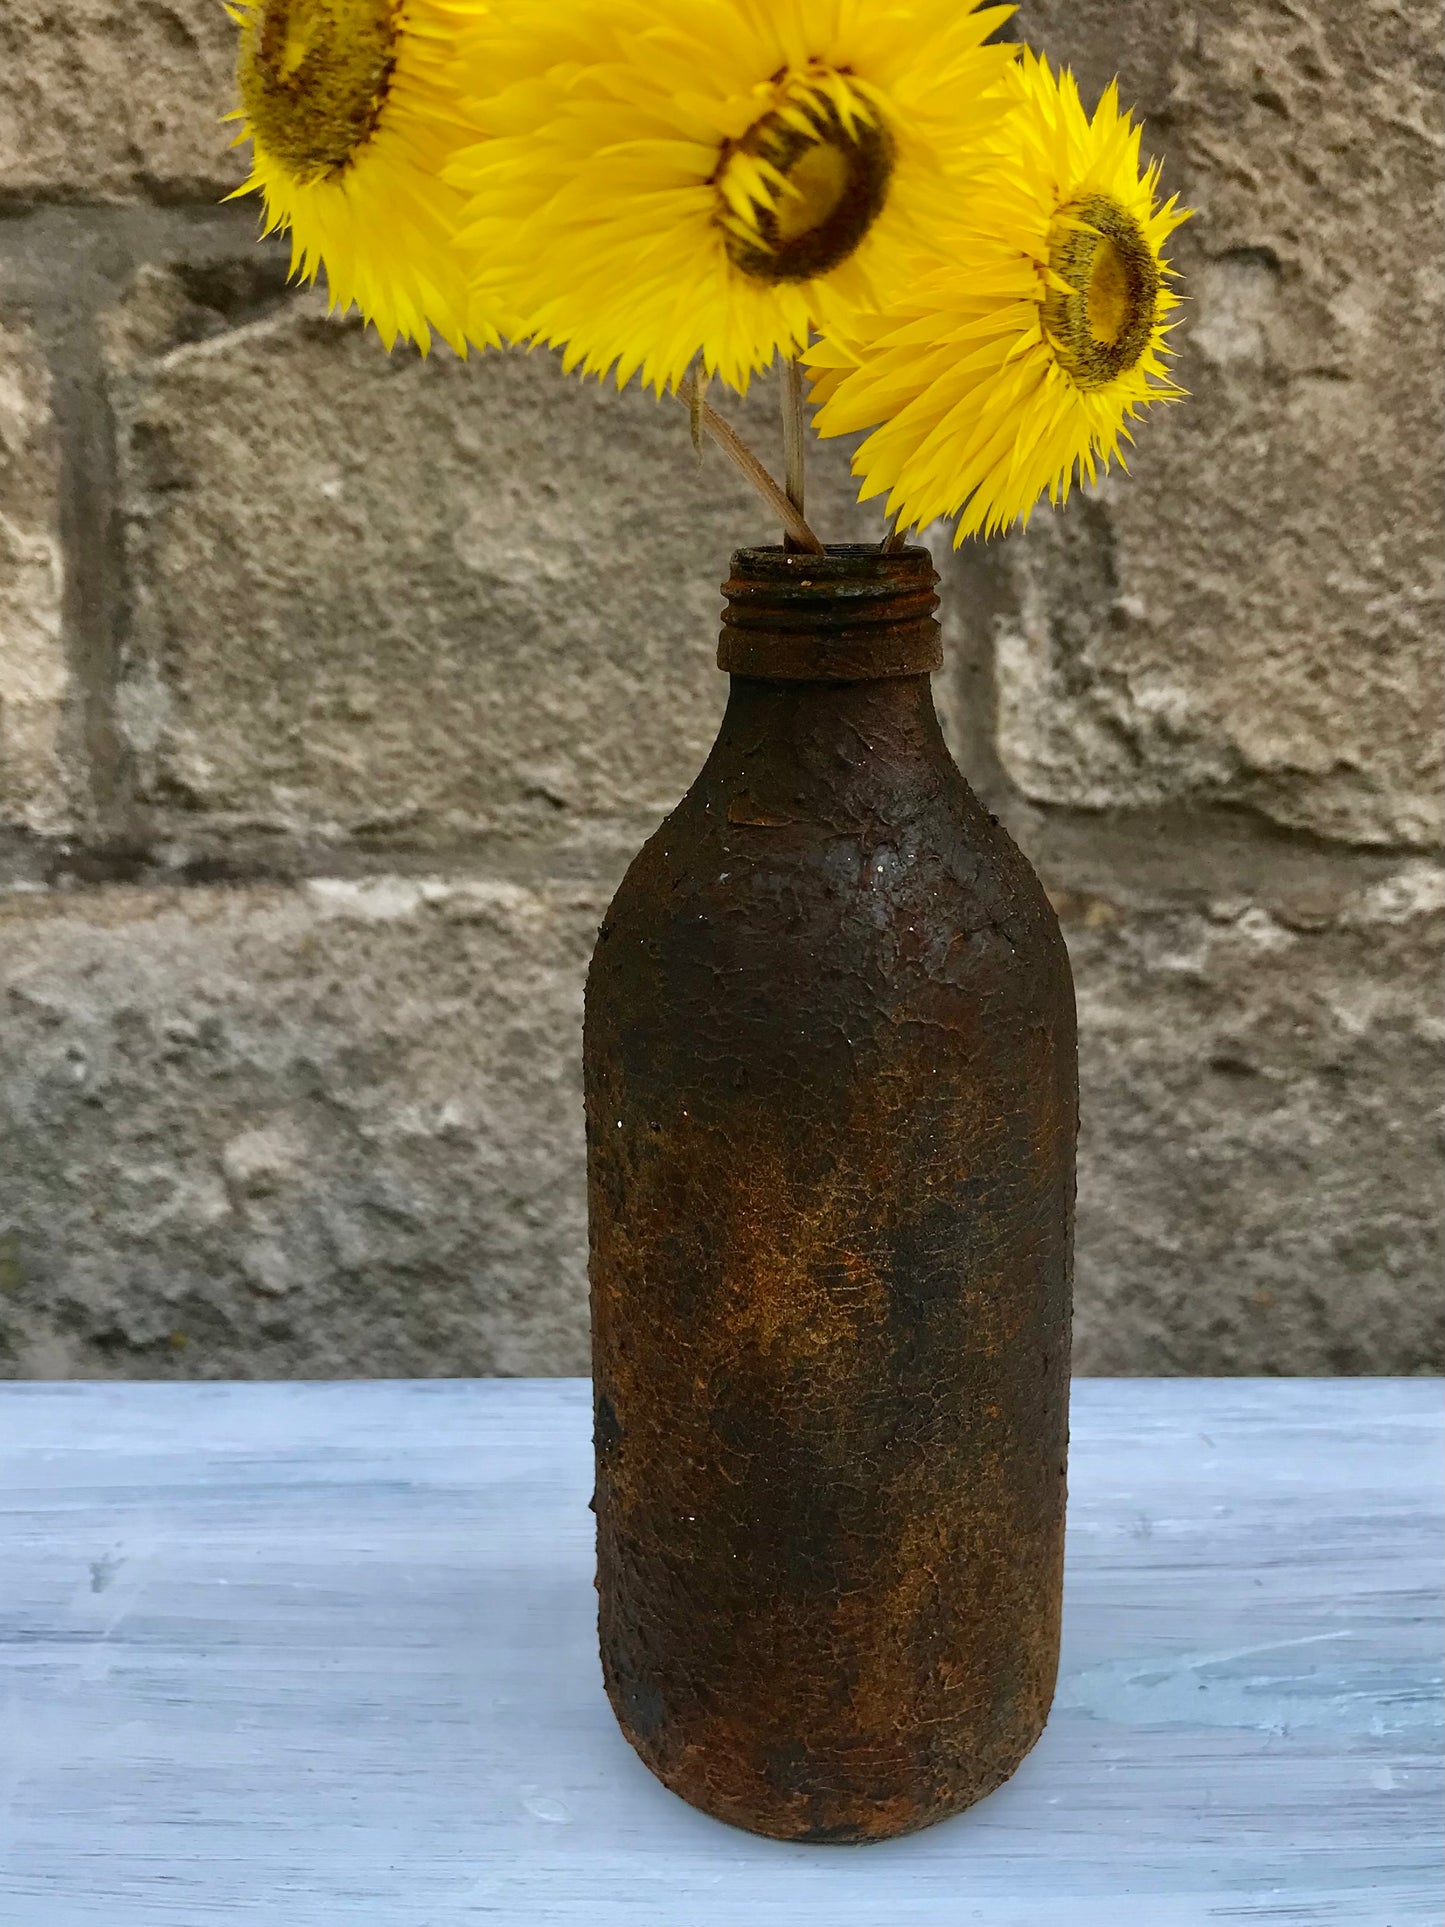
(831, 1110)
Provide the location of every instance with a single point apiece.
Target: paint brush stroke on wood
(317, 1654)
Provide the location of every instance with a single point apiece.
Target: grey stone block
(315, 1132)
(105, 100)
(1260, 1168)
(417, 597)
(335, 1129)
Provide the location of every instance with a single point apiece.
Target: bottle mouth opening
(856, 613)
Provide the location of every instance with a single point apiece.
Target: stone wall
(335, 691)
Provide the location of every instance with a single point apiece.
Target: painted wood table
(320, 1654)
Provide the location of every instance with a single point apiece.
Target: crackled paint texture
(831, 1107)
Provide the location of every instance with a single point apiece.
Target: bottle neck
(853, 719)
(830, 712)
(842, 753)
(852, 614)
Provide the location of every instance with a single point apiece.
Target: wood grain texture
(322, 1654)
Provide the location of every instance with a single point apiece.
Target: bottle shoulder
(930, 887)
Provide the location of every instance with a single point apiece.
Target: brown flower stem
(748, 466)
(795, 435)
(696, 402)
(896, 539)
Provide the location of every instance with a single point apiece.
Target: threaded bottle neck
(855, 614)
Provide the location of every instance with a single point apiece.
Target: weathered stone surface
(34, 677)
(1254, 614)
(336, 1130)
(107, 100)
(384, 601)
(316, 1132)
(1260, 1170)
(388, 594)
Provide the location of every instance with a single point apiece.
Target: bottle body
(831, 1108)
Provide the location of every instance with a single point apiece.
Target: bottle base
(815, 1818)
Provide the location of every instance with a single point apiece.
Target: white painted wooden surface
(322, 1654)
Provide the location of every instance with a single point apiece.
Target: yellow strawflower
(664, 179)
(1012, 365)
(352, 115)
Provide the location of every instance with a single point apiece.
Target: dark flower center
(1101, 327)
(313, 77)
(801, 189)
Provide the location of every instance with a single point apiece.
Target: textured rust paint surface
(831, 1110)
